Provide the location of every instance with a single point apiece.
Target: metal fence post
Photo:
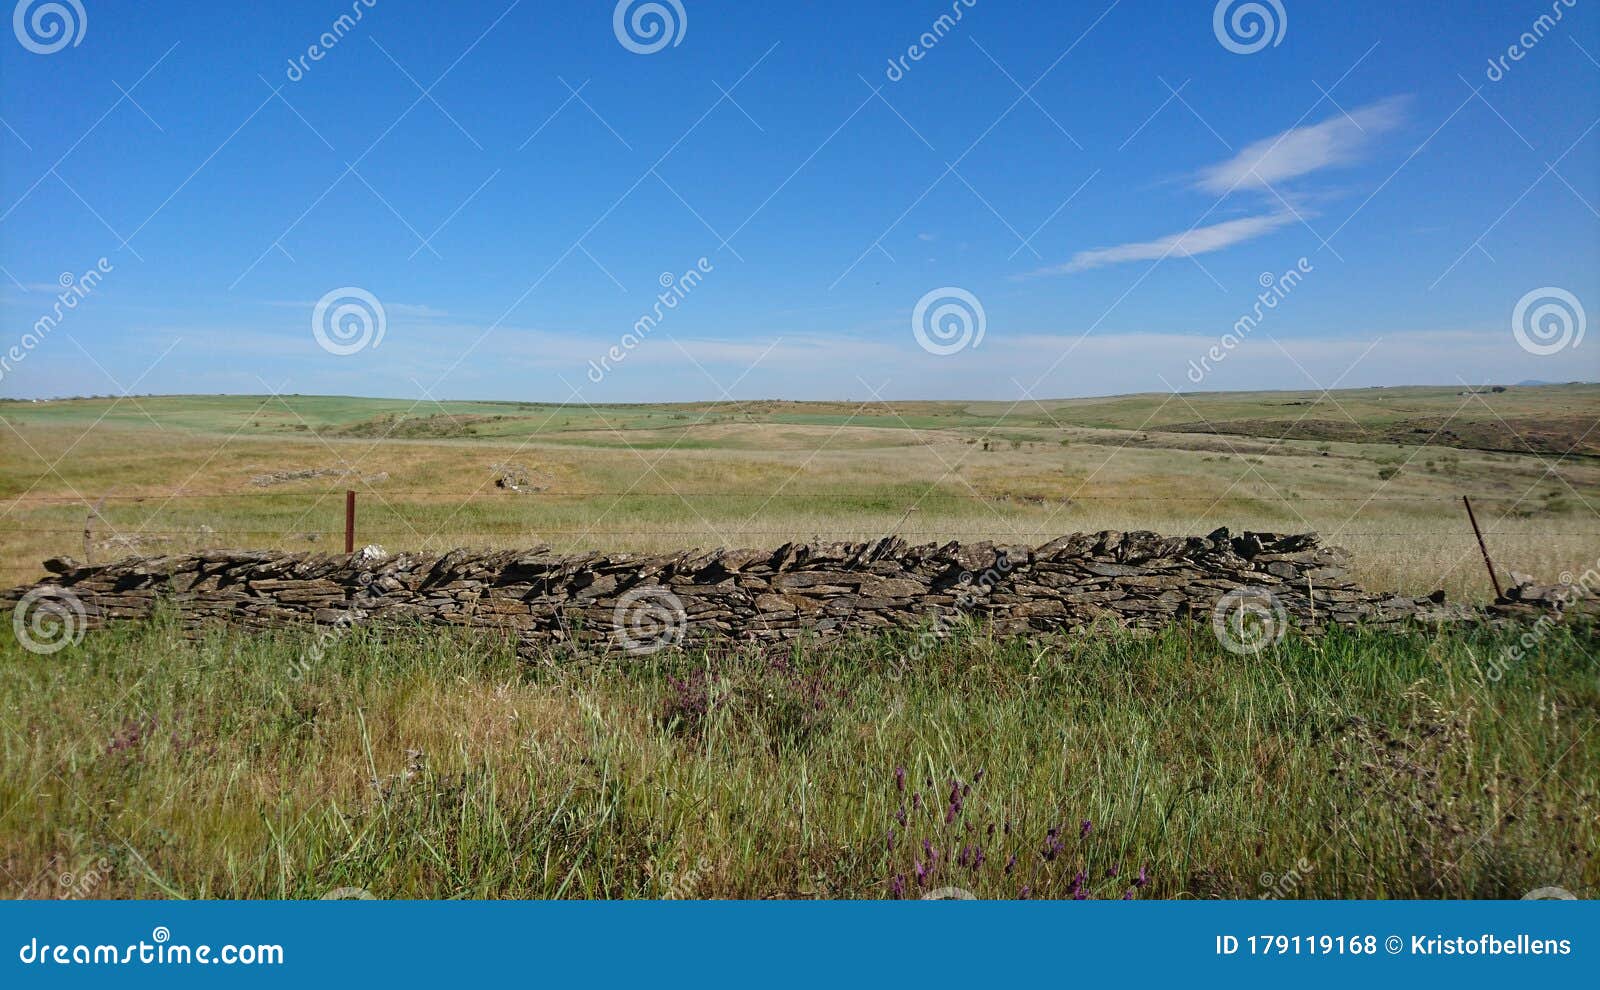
(1483, 548)
(349, 521)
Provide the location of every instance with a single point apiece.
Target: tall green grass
(429, 763)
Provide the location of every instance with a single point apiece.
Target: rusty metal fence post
(349, 521)
(1483, 548)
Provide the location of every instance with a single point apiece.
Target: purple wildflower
(1143, 879)
(897, 886)
(1011, 864)
(1085, 828)
(900, 779)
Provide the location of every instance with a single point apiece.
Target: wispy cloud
(1339, 140)
(1185, 244)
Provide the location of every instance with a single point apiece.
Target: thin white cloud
(1339, 140)
(1185, 244)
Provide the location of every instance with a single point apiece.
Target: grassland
(413, 763)
(432, 764)
(1379, 471)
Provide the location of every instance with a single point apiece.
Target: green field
(1380, 471)
(412, 764)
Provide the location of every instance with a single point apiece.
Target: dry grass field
(1379, 471)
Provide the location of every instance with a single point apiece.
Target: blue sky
(1112, 182)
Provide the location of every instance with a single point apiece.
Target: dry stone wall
(1134, 579)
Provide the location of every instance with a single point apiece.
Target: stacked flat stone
(1530, 600)
(1128, 579)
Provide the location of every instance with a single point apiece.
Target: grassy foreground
(433, 764)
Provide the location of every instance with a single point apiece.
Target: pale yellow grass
(760, 484)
